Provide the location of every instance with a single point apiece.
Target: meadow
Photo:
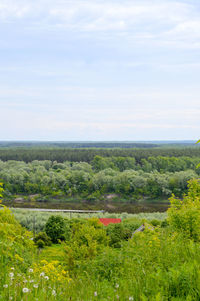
(37, 220)
(80, 259)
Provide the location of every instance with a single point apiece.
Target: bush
(117, 233)
(55, 228)
(15, 242)
(164, 223)
(40, 244)
(184, 215)
(133, 223)
(155, 222)
(42, 239)
(87, 240)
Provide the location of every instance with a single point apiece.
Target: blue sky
(99, 70)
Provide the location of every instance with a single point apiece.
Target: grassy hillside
(87, 261)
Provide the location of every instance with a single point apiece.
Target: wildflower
(12, 269)
(117, 297)
(30, 270)
(130, 299)
(42, 274)
(31, 281)
(53, 292)
(35, 285)
(46, 277)
(11, 298)
(25, 290)
(95, 294)
(5, 285)
(11, 275)
(18, 258)
(25, 281)
(117, 285)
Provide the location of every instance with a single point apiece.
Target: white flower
(117, 297)
(30, 270)
(11, 298)
(12, 268)
(35, 285)
(25, 281)
(11, 275)
(42, 274)
(117, 285)
(95, 294)
(25, 290)
(130, 299)
(46, 277)
(53, 292)
(31, 281)
(5, 285)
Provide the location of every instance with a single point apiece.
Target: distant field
(37, 220)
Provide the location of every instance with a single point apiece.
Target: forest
(62, 154)
(149, 177)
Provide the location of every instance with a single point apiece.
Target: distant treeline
(80, 144)
(87, 154)
(152, 177)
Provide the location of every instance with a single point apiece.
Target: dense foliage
(107, 263)
(87, 154)
(55, 228)
(153, 177)
(92, 144)
(42, 240)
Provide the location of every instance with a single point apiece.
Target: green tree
(55, 228)
(184, 215)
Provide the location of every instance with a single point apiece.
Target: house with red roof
(107, 221)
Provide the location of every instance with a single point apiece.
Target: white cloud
(97, 15)
(186, 30)
(167, 23)
(97, 66)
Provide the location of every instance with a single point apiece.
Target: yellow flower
(53, 270)
(18, 258)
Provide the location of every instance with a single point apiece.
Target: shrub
(15, 242)
(40, 244)
(133, 223)
(117, 233)
(55, 228)
(164, 223)
(184, 215)
(155, 222)
(42, 239)
(87, 240)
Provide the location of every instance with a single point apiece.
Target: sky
(98, 70)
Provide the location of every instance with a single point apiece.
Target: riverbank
(110, 206)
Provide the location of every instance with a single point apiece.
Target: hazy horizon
(99, 141)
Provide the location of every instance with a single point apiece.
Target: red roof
(107, 221)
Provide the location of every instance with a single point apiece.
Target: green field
(37, 220)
